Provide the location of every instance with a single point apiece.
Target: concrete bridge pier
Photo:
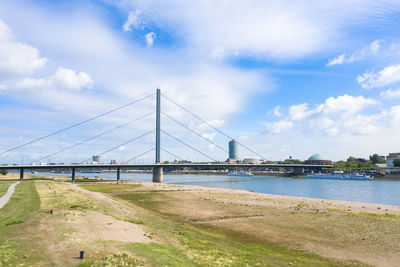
(73, 175)
(21, 174)
(158, 176)
(118, 174)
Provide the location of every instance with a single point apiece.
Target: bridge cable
(74, 125)
(221, 132)
(171, 154)
(188, 145)
(141, 154)
(193, 131)
(94, 137)
(115, 147)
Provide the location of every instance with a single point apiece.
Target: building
(251, 160)
(233, 150)
(113, 161)
(97, 159)
(390, 158)
(317, 159)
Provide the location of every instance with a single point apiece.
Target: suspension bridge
(158, 166)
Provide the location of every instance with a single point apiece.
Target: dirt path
(6, 197)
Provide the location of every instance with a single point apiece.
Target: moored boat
(242, 173)
(339, 176)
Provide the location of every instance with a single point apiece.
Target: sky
(282, 78)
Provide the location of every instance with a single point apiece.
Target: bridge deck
(170, 166)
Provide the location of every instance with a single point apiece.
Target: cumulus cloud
(279, 126)
(391, 94)
(70, 79)
(334, 115)
(17, 58)
(133, 20)
(372, 49)
(150, 38)
(386, 76)
(62, 78)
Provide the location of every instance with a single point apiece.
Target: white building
(390, 158)
(251, 160)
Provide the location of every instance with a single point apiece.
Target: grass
(24, 202)
(4, 187)
(185, 244)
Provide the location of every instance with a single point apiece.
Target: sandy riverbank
(369, 233)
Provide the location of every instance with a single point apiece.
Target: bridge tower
(158, 171)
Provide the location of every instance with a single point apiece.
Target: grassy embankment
(13, 215)
(4, 187)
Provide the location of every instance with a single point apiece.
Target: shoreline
(326, 203)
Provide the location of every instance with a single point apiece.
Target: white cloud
(209, 136)
(69, 79)
(386, 76)
(333, 116)
(150, 38)
(62, 78)
(391, 94)
(277, 111)
(279, 126)
(267, 31)
(372, 49)
(133, 20)
(347, 103)
(301, 111)
(29, 83)
(17, 58)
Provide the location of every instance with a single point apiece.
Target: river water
(380, 192)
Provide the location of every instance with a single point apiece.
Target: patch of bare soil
(343, 230)
(92, 226)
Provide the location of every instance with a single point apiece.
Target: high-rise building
(97, 159)
(233, 150)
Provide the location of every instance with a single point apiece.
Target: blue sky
(284, 78)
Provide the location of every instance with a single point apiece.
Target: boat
(34, 172)
(339, 175)
(241, 173)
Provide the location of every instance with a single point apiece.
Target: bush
(4, 172)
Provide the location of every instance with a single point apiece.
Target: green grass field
(4, 187)
(24, 201)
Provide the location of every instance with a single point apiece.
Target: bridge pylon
(158, 176)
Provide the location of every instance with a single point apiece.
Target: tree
(375, 158)
(339, 164)
(396, 162)
(3, 172)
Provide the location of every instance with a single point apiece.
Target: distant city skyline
(314, 77)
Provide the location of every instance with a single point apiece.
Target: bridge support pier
(118, 174)
(158, 176)
(21, 174)
(73, 175)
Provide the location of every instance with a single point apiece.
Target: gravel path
(6, 197)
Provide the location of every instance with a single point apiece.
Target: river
(380, 192)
